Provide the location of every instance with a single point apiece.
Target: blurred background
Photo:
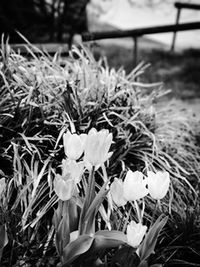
(57, 21)
(54, 20)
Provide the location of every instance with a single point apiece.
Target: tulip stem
(91, 187)
(143, 207)
(154, 213)
(89, 197)
(138, 211)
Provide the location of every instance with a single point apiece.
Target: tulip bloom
(117, 192)
(73, 145)
(134, 186)
(158, 184)
(135, 233)
(97, 146)
(65, 184)
(64, 189)
(73, 169)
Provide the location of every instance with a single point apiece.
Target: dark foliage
(41, 20)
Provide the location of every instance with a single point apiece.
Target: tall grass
(40, 95)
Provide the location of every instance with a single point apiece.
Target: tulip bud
(97, 146)
(134, 186)
(73, 145)
(64, 188)
(158, 184)
(2, 185)
(73, 236)
(135, 233)
(117, 192)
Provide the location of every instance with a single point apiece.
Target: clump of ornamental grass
(40, 95)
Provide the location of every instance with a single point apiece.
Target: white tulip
(64, 188)
(73, 145)
(135, 233)
(158, 184)
(117, 192)
(72, 168)
(65, 184)
(134, 186)
(97, 146)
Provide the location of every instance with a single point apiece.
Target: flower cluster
(135, 187)
(95, 147)
(90, 151)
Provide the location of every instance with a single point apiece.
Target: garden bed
(41, 99)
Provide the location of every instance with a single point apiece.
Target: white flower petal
(135, 233)
(134, 186)
(158, 184)
(117, 192)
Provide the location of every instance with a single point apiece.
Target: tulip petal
(97, 145)
(134, 186)
(117, 192)
(72, 169)
(63, 189)
(135, 233)
(73, 145)
(158, 184)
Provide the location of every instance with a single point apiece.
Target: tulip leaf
(157, 265)
(148, 245)
(96, 203)
(143, 264)
(63, 233)
(126, 257)
(90, 195)
(3, 238)
(108, 239)
(74, 211)
(74, 249)
(62, 225)
(87, 222)
(58, 213)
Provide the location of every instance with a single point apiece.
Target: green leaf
(61, 224)
(58, 214)
(74, 249)
(148, 245)
(89, 197)
(97, 201)
(3, 238)
(63, 233)
(74, 211)
(143, 264)
(87, 222)
(109, 239)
